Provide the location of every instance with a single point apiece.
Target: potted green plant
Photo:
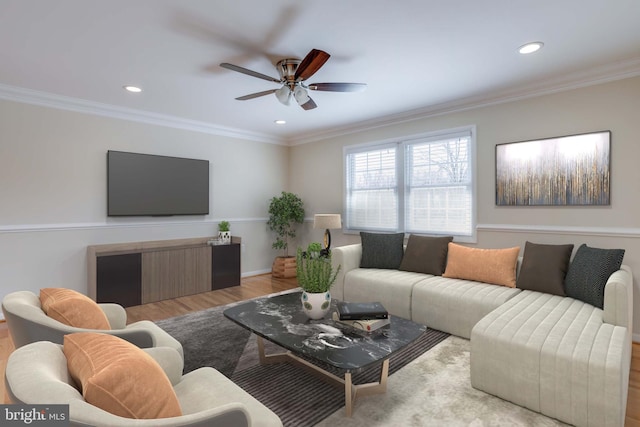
(284, 213)
(224, 233)
(315, 277)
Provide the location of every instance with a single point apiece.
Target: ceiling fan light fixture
(301, 95)
(293, 75)
(284, 95)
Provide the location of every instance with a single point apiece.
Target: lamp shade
(327, 221)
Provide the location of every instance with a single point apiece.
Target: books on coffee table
(361, 310)
(368, 325)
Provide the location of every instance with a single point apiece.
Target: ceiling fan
(293, 73)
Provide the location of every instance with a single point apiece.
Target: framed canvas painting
(569, 170)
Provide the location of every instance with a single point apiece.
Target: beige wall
(53, 192)
(316, 170)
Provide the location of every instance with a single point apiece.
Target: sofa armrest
(618, 299)
(348, 257)
(115, 313)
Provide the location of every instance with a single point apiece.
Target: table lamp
(328, 222)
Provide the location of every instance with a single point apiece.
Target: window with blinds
(372, 189)
(422, 185)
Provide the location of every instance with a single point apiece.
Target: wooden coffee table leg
(266, 359)
(349, 399)
(351, 391)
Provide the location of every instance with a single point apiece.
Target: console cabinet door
(226, 266)
(118, 279)
(173, 273)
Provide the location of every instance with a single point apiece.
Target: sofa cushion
(495, 266)
(381, 250)
(455, 305)
(425, 254)
(393, 288)
(119, 377)
(589, 272)
(544, 268)
(72, 308)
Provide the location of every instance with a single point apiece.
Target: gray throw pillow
(425, 254)
(544, 268)
(589, 272)
(381, 250)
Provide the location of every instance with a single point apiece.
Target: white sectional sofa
(555, 355)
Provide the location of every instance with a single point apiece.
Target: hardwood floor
(250, 287)
(257, 286)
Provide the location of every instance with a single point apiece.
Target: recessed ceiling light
(133, 89)
(530, 47)
(280, 122)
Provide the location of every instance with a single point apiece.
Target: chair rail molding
(629, 232)
(32, 228)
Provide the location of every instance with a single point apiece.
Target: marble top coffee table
(319, 345)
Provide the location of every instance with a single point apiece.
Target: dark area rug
(298, 397)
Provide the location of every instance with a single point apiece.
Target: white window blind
(372, 189)
(439, 186)
(424, 185)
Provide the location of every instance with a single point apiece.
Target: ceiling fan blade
(256, 95)
(248, 72)
(311, 63)
(309, 105)
(338, 87)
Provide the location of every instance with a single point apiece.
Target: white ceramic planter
(224, 236)
(316, 305)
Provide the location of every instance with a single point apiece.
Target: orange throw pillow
(73, 308)
(119, 377)
(495, 266)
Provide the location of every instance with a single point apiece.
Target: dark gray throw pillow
(544, 268)
(381, 250)
(425, 254)
(589, 272)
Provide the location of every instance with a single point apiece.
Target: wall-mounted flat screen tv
(151, 185)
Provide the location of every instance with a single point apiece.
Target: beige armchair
(28, 323)
(37, 374)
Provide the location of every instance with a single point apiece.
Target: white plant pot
(224, 236)
(316, 305)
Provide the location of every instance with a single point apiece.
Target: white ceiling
(417, 56)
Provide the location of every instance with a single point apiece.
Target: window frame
(401, 144)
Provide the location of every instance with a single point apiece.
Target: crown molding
(594, 76)
(45, 99)
(598, 75)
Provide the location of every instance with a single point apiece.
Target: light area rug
(435, 390)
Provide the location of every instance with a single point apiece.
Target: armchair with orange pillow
(107, 381)
(57, 312)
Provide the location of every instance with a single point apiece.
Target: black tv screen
(150, 185)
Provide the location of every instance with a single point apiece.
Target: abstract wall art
(562, 171)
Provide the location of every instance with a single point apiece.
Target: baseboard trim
(551, 229)
(255, 273)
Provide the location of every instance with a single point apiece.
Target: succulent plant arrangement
(314, 270)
